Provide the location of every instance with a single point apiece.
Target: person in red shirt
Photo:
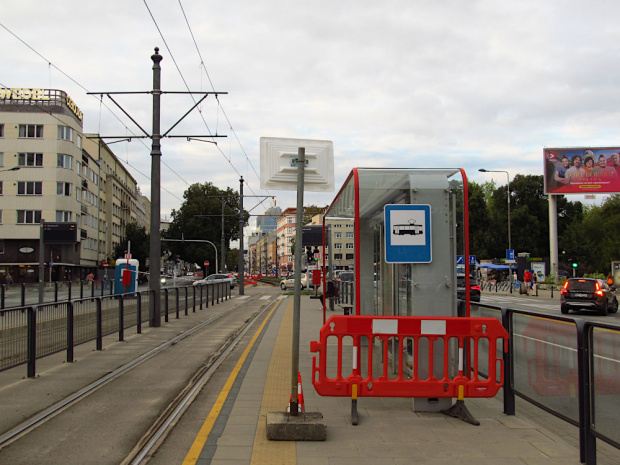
(527, 278)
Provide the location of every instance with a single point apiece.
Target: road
(544, 304)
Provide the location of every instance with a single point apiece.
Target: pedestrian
(8, 280)
(527, 279)
(534, 284)
(90, 277)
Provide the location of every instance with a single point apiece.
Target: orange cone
(300, 396)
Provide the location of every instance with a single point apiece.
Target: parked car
(289, 283)
(346, 276)
(474, 288)
(588, 294)
(217, 277)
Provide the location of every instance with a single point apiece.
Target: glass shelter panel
(407, 286)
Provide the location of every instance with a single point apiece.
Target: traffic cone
(300, 396)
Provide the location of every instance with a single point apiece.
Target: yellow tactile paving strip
(275, 398)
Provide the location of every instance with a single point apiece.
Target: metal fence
(568, 367)
(28, 333)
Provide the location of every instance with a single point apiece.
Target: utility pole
(155, 246)
(156, 136)
(241, 223)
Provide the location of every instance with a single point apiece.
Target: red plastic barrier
(250, 279)
(421, 338)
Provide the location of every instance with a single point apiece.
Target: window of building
(337, 256)
(1, 223)
(337, 226)
(66, 133)
(1, 158)
(63, 217)
(349, 246)
(290, 219)
(64, 188)
(349, 235)
(79, 141)
(28, 216)
(30, 159)
(1, 130)
(1, 191)
(31, 131)
(64, 161)
(1, 242)
(337, 245)
(349, 225)
(350, 256)
(29, 188)
(338, 235)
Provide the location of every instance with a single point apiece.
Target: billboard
(582, 170)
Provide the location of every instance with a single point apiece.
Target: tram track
(165, 423)
(180, 400)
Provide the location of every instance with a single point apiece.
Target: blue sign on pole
(460, 259)
(510, 254)
(472, 259)
(407, 233)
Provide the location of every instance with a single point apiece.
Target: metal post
(301, 162)
(155, 274)
(223, 242)
(41, 264)
(241, 223)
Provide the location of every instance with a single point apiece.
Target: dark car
(474, 289)
(588, 294)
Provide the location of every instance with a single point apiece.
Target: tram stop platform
(388, 432)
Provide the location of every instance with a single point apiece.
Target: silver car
(218, 277)
(289, 283)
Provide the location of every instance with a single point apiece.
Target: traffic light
(574, 261)
(316, 254)
(309, 254)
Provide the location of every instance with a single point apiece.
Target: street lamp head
(482, 170)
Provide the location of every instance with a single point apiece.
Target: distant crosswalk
(506, 301)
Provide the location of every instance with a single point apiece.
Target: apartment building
(342, 240)
(50, 172)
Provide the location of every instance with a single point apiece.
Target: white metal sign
(279, 171)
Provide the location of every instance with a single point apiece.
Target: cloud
(473, 84)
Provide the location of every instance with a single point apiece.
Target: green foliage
(589, 231)
(140, 244)
(200, 219)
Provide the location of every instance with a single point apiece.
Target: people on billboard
(560, 171)
(614, 162)
(575, 171)
(588, 164)
(602, 170)
(578, 171)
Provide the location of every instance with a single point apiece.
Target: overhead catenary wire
(115, 115)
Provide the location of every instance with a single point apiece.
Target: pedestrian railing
(568, 367)
(28, 333)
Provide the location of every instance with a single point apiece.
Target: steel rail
(168, 420)
(49, 412)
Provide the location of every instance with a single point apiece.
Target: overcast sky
(398, 84)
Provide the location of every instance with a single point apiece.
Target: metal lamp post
(508, 201)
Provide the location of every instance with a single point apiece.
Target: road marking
(194, 452)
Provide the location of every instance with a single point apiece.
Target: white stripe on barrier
(433, 327)
(385, 326)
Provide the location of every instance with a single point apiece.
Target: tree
(479, 221)
(200, 218)
(140, 244)
(311, 211)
